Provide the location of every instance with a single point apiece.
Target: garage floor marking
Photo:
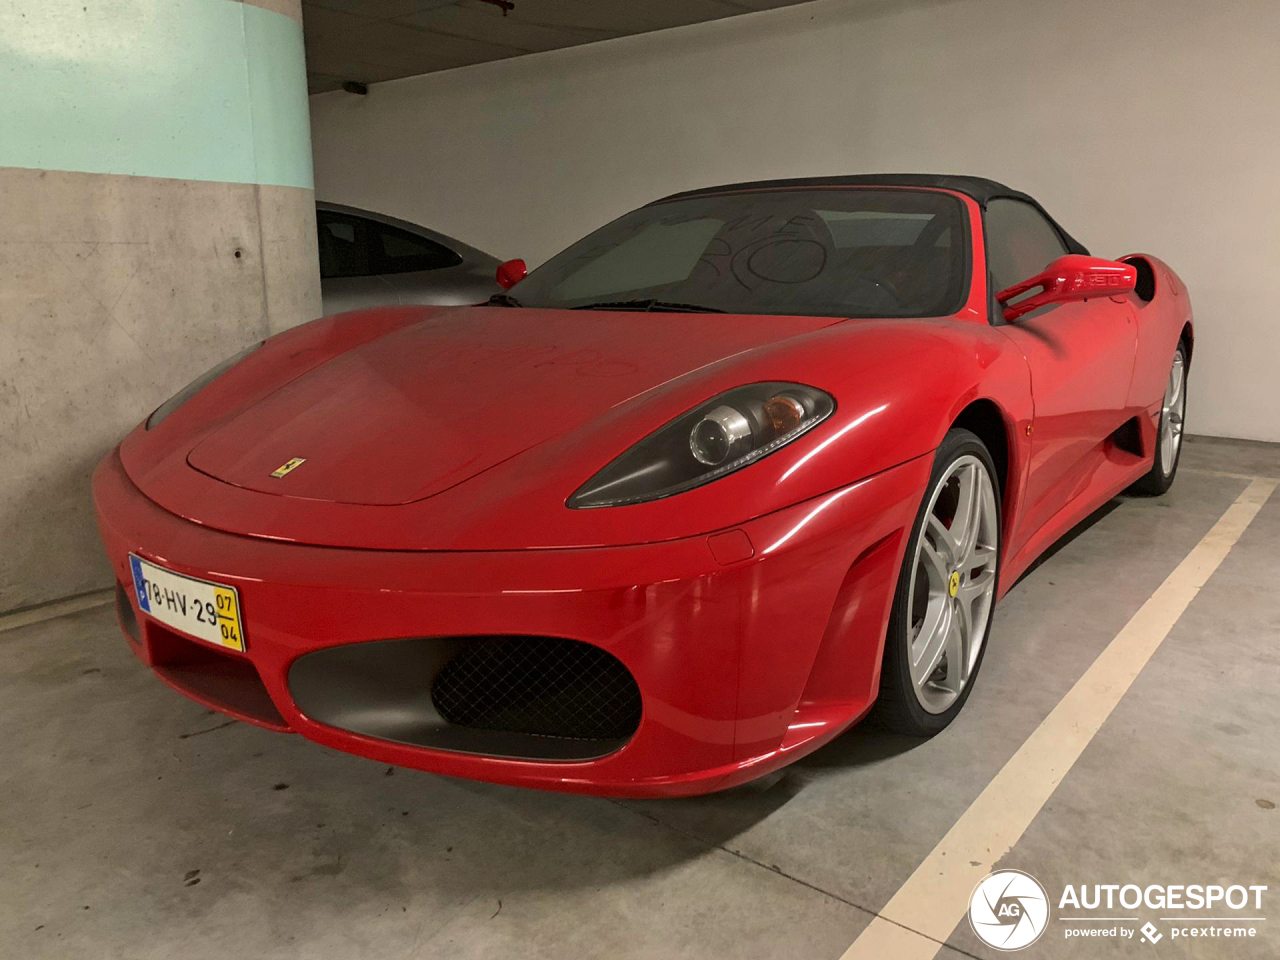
(1228, 475)
(58, 608)
(921, 916)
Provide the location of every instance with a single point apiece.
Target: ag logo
(1009, 910)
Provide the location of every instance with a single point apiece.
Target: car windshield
(853, 252)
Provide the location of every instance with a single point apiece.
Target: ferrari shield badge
(288, 467)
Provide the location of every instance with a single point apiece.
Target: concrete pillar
(156, 216)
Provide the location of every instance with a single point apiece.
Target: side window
(398, 251)
(344, 245)
(1020, 242)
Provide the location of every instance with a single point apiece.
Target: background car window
(1020, 242)
(825, 252)
(344, 249)
(398, 251)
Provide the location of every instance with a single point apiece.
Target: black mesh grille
(544, 686)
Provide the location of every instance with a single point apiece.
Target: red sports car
(689, 501)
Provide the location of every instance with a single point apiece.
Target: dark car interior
(352, 246)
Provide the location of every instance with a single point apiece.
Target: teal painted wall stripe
(187, 89)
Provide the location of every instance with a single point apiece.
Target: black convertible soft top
(980, 189)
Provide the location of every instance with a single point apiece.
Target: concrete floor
(135, 824)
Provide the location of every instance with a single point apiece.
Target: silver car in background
(368, 259)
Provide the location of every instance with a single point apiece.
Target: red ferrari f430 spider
(688, 501)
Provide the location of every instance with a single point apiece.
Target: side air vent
(1146, 286)
(1128, 437)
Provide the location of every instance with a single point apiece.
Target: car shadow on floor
(718, 819)
(1080, 528)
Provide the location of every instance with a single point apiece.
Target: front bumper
(743, 663)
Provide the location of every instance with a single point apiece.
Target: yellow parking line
(922, 914)
(1230, 476)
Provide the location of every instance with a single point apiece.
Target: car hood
(408, 415)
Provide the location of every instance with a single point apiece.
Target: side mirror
(513, 271)
(1073, 277)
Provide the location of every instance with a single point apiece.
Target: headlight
(195, 386)
(722, 435)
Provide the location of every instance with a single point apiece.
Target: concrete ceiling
(373, 40)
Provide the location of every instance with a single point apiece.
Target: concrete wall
(157, 216)
(1141, 124)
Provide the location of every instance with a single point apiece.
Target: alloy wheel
(1172, 413)
(953, 583)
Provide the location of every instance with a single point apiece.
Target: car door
(1080, 356)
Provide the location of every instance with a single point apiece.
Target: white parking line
(920, 917)
(58, 608)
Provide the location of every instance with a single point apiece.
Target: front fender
(898, 385)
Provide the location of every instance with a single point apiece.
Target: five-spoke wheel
(1173, 411)
(953, 584)
(946, 590)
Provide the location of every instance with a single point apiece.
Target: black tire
(897, 707)
(1156, 482)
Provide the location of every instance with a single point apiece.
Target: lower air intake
(538, 686)
(525, 698)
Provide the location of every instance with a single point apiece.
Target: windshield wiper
(502, 300)
(651, 306)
